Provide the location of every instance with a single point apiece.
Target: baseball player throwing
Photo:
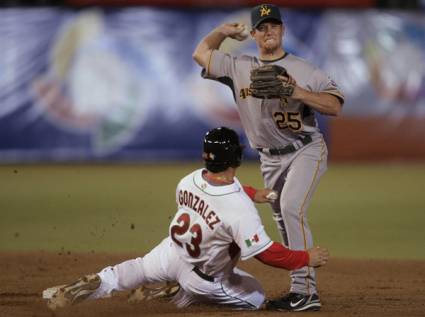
(277, 95)
(216, 224)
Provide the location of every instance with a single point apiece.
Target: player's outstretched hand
(318, 256)
(265, 196)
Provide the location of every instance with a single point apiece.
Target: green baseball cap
(265, 12)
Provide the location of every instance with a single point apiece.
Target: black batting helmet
(221, 149)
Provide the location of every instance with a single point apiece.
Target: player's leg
(156, 266)
(277, 213)
(243, 291)
(296, 179)
(274, 170)
(152, 268)
(238, 290)
(301, 182)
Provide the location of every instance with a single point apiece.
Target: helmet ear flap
(237, 157)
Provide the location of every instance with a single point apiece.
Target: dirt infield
(347, 287)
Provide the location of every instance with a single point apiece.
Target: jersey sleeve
(219, 65)
(250, 235)
(320, 82)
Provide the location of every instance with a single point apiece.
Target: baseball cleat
(70, 294)
(295, 302)
(144, 293)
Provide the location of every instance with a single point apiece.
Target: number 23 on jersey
(187, 235)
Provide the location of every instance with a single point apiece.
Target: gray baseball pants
(296, 176)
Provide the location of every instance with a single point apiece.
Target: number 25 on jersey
(291, 120)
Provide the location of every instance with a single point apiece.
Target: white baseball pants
(237, 290)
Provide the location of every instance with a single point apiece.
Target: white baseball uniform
(275, 124)
(213, 227)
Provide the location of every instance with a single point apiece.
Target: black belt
(203, 275)
(300, 142)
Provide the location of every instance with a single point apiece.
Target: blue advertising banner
(121, 84)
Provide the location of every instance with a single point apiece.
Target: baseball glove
(266, 85)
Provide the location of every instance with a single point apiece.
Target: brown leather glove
(266, 85)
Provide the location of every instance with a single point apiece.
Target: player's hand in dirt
(318, 256)
(265, 196)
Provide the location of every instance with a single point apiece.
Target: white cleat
(144, 293)
(70, 294)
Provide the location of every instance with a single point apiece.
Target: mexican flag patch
(253, 240)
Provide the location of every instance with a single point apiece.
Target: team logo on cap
(264, 10)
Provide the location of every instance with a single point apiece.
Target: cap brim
(266, 19)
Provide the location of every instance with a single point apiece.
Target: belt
(296, 145)
(203, 275)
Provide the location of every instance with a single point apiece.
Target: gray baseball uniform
(288, 127)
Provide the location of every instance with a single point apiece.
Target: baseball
(272, 196)
(244, 33)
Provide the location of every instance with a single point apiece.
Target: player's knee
(291, 209)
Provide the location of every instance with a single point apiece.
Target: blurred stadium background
(102, 111)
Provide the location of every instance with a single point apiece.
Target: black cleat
(295, 302)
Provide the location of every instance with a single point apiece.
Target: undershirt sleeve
(250, 191)
(279, 256)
